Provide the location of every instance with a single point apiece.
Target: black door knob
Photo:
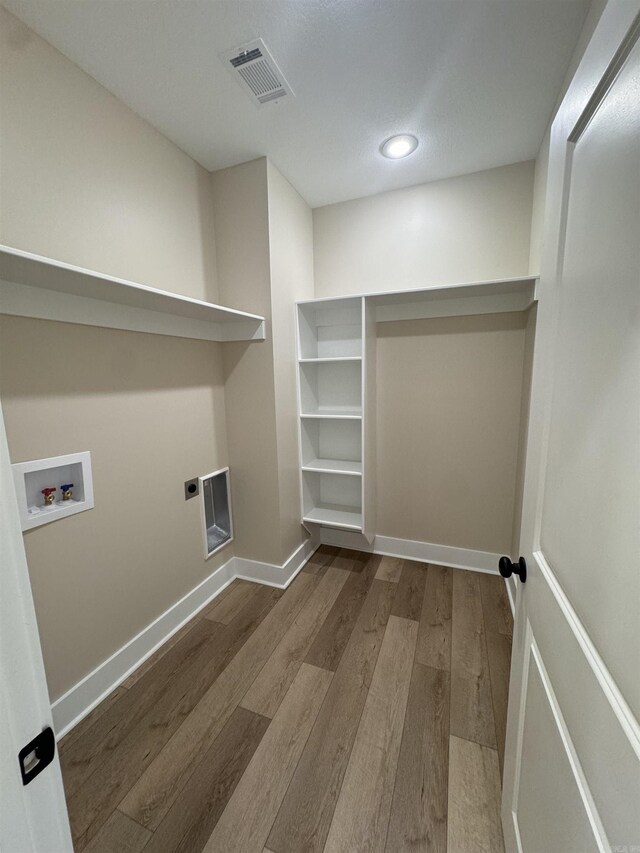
(507, 568)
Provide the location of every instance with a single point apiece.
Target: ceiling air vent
(255, 69)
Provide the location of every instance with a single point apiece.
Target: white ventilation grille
(255, 69)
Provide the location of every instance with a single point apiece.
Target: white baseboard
(273, 575)
(409, 549)
(77, 702)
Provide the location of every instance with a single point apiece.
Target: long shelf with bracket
(493, 296)
(46, 289)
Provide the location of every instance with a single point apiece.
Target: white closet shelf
(444, 300)
(330, 360)
(336, 516)
(334, 466)
(336, 414)
(46, 289)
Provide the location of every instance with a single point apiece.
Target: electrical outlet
(191, 489)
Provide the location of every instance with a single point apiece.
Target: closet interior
(336, 348)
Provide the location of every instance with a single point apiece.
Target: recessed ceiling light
(397, 147)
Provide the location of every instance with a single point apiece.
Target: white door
(572, 766)
(33, 817)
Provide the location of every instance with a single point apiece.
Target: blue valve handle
(65, 488)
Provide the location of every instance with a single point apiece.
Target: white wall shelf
(46, 289)
(337, 386)
(446, 300)
(335, 516)
(329, 414)
(330, 360)
(334, 466)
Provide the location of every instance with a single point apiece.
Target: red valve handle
(49, 491)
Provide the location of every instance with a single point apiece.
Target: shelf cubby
(333, 499)
(333, 387)
(331, 445)
(330, 329)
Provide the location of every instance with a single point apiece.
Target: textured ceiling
(474, 80)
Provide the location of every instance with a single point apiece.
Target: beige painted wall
(242, 231)
(449, 390)
(461, 229)
(87, 181)
(291, 254)
(265, 262)
(449, 396)
(151, 411)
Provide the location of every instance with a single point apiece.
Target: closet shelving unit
(332, 398)
(336, 340)
(46, 289)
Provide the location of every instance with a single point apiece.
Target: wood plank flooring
(363, 709)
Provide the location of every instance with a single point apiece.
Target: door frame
(33, 817)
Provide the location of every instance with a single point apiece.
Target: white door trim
(619, 706)
(33, 817)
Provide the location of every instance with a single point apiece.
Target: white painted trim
(271, 574)
(513, 760)
(509, 812)
(409, 549)
(76, 703)
(582, 785)
(34, 817)
(623, 713)
(512, 588)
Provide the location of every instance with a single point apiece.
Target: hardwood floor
(361, 710)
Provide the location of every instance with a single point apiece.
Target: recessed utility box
(39, 488)
(216, 510)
